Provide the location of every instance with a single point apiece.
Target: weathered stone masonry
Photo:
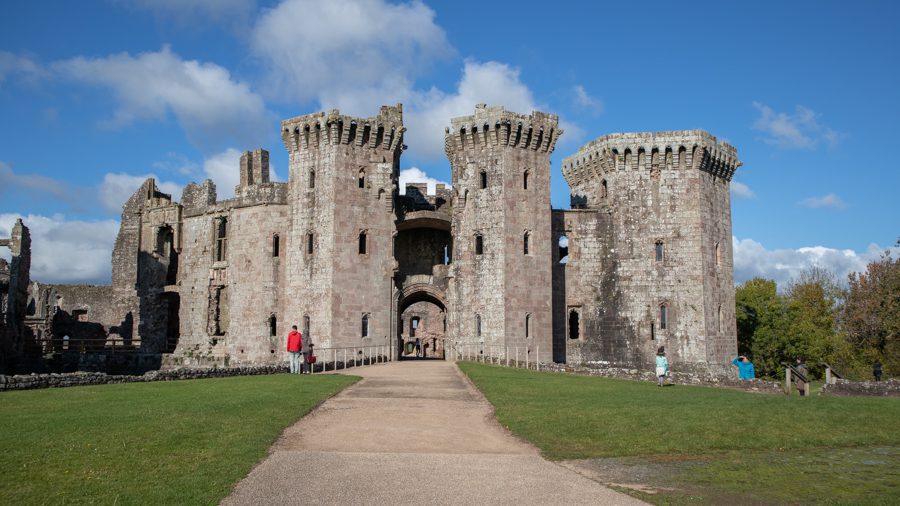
(646, 258)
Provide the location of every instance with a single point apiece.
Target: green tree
(812, 301)
(871, 316)
(761, 324)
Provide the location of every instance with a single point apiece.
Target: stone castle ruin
(643, 258)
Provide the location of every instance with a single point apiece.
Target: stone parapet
(889, 388)
(495, 126)
(384, 131)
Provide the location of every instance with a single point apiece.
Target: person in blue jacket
(662, 365)
(745, 368)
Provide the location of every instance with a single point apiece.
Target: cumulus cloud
(493, 83)
(417, 175)
(66, 251)
(752, 259)
(117, 188)
(800, 130)
(353, 55)
(586, 102)
(830, 201)
(212, 107)
(741, 190)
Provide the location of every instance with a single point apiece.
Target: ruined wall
(335, 284)
(14, 281)
(492, 155)
(665, 208)
(430, 328)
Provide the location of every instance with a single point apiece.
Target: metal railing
(519, 356)
(112, 345)
(344, 357)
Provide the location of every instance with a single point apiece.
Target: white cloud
(583, 100)
(12, 182)
(117, 188)
(66, 251)
(430, 112)
(212, 108)
(831, 201)
(801, 130)
(224, 169)
(12, 65)
(354, 55)
(752, 259)
(417, 175)
(741, 190)
(194, 11)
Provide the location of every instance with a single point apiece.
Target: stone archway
(421, 314)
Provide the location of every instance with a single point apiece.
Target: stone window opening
(563, 249)
(483, 180)
(525, 180)
(413, 325)
(309, 243)
(527, 325)
(719, 318)
(603, 189)
(365, 325)
(718, 255)
(80, 315)
(574, 324)
(362, 178)
(652, 331)
(221, 238)
(276, 246)
(312, 179)
(477, 325)
(660, 251)
(362, 242)
(663, 316)
(525, 239)
(479, 244)
(273, 326)
(446, 254)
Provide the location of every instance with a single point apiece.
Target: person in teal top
(662, 365)
(745, 368)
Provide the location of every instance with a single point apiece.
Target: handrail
(800, 376)
(499, 354)
(830, 371)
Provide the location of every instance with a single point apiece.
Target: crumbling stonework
(14, 281)
(338, 251)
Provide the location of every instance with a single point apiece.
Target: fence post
(827, 375)
(787, 380)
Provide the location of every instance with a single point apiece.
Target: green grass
(184, 442)
(700, 444)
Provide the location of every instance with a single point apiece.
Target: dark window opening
(309, 244)
(483, 180)
(478, 325)
(362, 243)
(221, 239)
(718, 255)
(525, 243)
(663, 317)
(574, 331)
(276, 245)
(312, 179)
(652, 331)
(525, 181)
(273, 326)
(603, 189)
(479, 245)
(362, 179)
(365, 325)
(527, 326)
(660, 251)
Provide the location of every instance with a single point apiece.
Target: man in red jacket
(293, 347)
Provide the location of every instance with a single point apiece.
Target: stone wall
(889, 388)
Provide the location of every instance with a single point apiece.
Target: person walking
(662, 365)
(802, 386)
(876, 370)
(305, 350)
(293, 347)
(418, 347)
(745, 367)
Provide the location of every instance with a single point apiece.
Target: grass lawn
(172, 442)
(698, 444)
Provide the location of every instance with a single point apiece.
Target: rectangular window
(525, 243)
(312, 179)
(483, 180)
(362, 243)
(660, 251)
(365, 325)
(527, 326)
(309, 244)
(663, 317)
(276, 245)
(221, 239)
(479, 245)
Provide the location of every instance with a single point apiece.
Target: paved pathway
(410, 433)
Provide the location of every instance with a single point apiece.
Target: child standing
(662, 365)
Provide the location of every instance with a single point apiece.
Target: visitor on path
(293, 347)
(745, 368)
(876, 370)
(306, 351)
(425, 350)
(418, 347)
(662, 365)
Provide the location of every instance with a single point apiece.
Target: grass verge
(147, 443)
(691, 444)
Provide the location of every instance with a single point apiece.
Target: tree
(761, 324)
(813, 299)
(871, 316)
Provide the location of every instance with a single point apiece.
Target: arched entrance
(422, 316)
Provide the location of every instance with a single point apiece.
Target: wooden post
(787, 380)
(827, 375)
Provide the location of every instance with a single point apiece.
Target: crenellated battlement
(495, 126)
(695, 149)
(382, 132)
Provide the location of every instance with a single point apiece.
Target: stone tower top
(383, 132)
(495, 126)
(696, 149)
(254, 167)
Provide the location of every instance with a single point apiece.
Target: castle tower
(501, 291)
(662, 275)
(343, 173)
(254, 168)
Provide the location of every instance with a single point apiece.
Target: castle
(643, 259)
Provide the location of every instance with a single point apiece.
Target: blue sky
(96, 96)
